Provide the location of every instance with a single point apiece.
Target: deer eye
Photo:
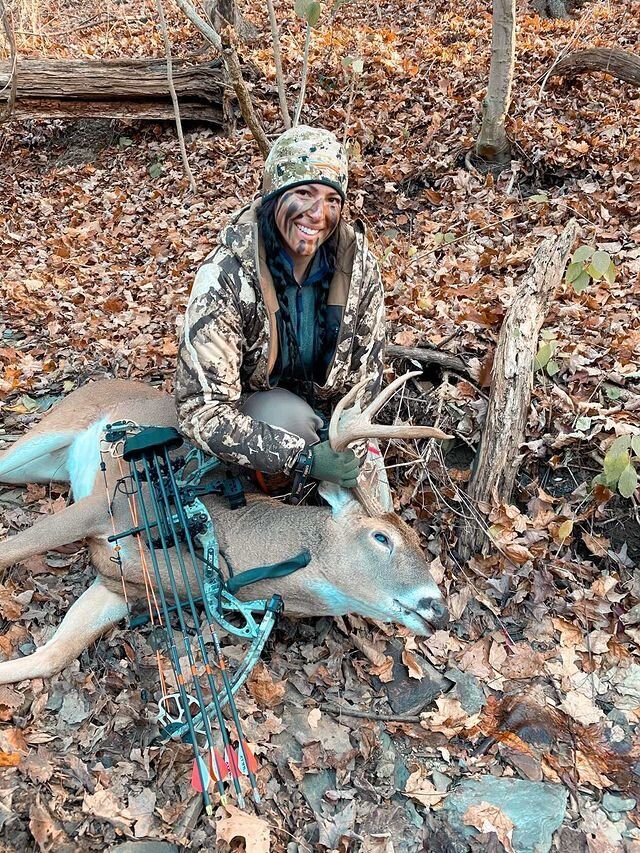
(380, 537)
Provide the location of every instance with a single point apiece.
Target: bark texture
(428, 356)
(492, 144)
(498, 456)
(612, 60)
(135, 88)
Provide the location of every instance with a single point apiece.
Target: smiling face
(306, 216)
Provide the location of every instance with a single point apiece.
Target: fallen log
(426, 355)
(498, 456)
(612, 60)
(124, 89)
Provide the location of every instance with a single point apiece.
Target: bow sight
(173, 528)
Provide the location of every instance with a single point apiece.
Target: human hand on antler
(340, 467)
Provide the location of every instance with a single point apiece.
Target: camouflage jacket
(229, 343)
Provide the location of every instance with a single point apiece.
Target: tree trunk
(492, 144)
(619, 63)
(223, 12)
(498, 456)
(135, 88)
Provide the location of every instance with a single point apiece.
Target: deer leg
(70, 524)
(94, 612)
(37, 458)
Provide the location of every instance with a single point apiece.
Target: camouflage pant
(282, 408)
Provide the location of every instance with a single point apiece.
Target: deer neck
(265, 532)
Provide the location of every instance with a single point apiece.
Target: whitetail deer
(369, 564)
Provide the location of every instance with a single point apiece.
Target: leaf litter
(98, 257)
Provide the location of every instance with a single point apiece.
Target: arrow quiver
(180, 560)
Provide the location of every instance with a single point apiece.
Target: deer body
(373, 566)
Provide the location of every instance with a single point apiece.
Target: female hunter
(286, 315)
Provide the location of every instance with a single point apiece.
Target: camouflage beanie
(305, 155)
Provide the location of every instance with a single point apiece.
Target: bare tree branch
(174, 97)
(223, 44)
(232, 64)
(305, 71)
(277, 56)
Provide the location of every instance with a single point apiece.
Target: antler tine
(379, 400)
(347, 400)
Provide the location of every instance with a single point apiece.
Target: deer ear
(339, 499)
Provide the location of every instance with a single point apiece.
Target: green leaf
(449, 237)
(125, 142)
(582, 282)
(358, 66)
(573, 271)
(593, 272)
(622, 443)
(600, 480)
(541, 198)
(635, 444)
(310, 10)
(601, 261)
(552, 367)
(614, 465)
(628, 482)
(612, 392)
(611, 273)
(543, 355)
(582, 253)
(583, 423)
(155, 170)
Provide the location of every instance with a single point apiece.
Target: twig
(349, 105)
(305, 71)
(457, 239)
(174, 97)
(366, 715)
(12, 82)
(277, 57)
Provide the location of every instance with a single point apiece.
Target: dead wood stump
(498, 455)
(116, 89)
(612, 60)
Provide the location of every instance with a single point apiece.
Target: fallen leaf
(314, 717)
(419, 788)
(251, 828)
(260, 684)
(413, 667)
(489, 818)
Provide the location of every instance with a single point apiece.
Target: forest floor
(535, 686)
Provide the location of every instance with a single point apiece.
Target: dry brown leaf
(384, 671)
(10, 759)
(47, 832)
(581, 708)
(260, 684)
(489, 818)
(254, 830)
(413, 667)
(598, 545)
(522, 662)
(419, 788)
(313, 717)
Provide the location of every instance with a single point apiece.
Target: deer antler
(352, 424)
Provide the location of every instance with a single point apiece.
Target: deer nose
(438, 609)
